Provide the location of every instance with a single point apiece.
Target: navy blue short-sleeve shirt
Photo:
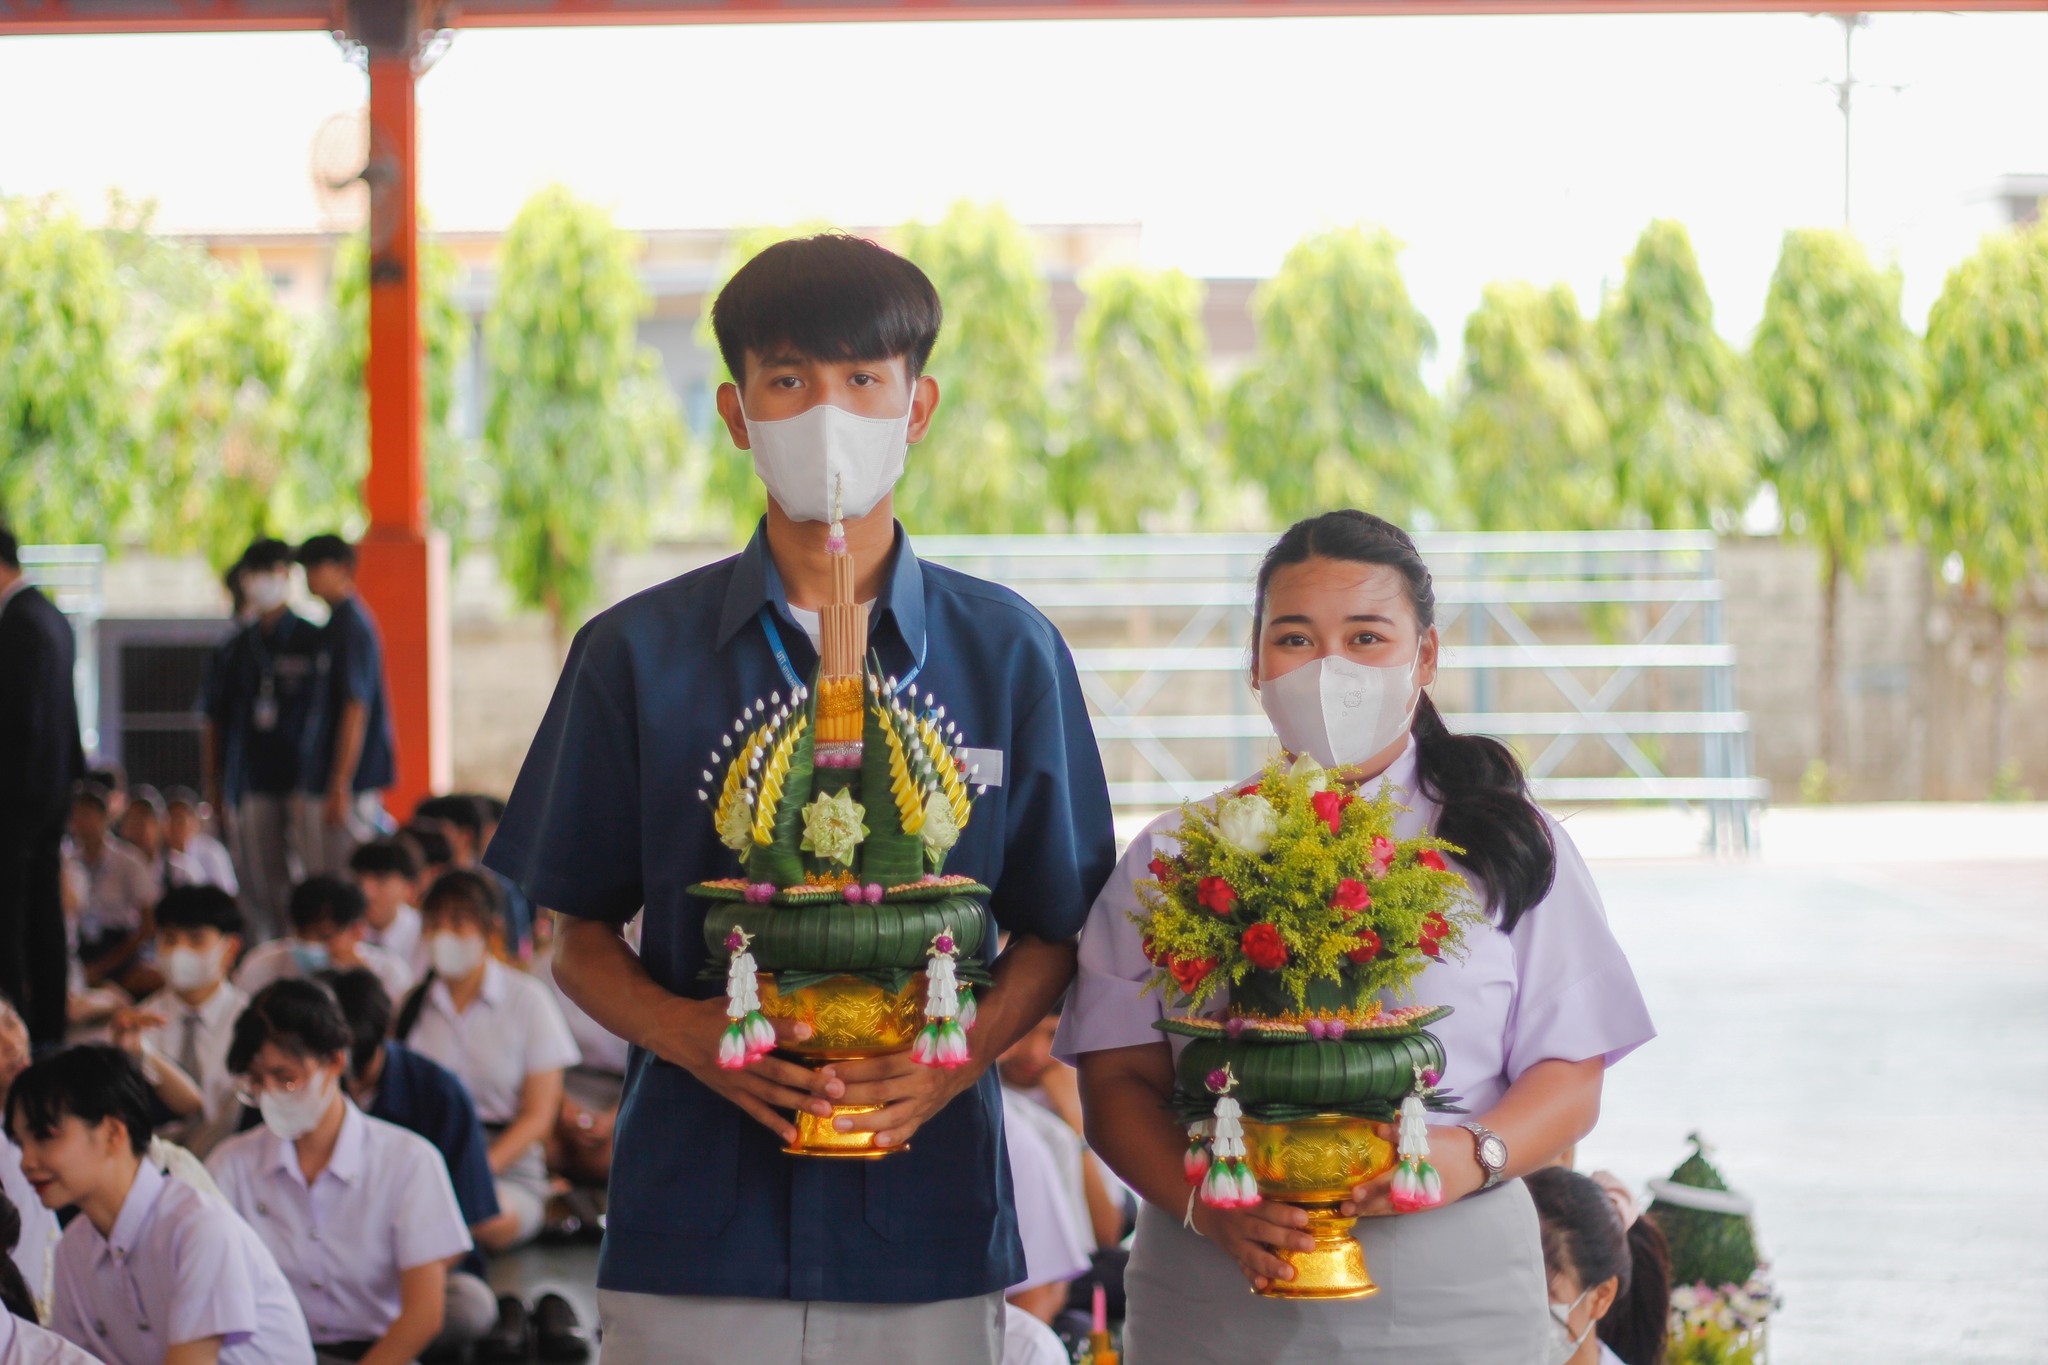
(605, 819)
(353, 670)
(262, 699)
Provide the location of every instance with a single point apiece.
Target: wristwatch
(1490, 1150)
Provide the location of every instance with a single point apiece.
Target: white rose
(1247, 824)
(1311, 773)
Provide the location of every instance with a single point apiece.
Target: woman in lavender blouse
(1544, 1002)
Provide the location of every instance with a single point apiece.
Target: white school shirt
(205, 862)
(24, 1343)
(180, 1266)
(273, 961)
(1055, 1246)
(1027, 1341)
(510, 1031)
(35, 1251)
(401, 940)
(115, 889)
(213, 1029)
(383, 1205)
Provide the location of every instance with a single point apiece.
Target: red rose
(1160, 868)
(1145, 947)
(1330, 808)
(1432, 860)
(1368, 947)
(1190, 972)
(1351, 897)
(1383, 852)
(1216, 894)
(1435, 929)
(1250, 790)
(1263, 945)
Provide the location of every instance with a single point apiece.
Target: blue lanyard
(774, 635)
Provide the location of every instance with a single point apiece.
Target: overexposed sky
(1496, 148)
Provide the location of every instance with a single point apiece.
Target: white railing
(74, 577)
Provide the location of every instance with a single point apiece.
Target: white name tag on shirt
(984, 765)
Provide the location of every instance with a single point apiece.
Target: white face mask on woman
(291, 1114)
(1563, 1345)
(454, 956)
(826, 462)
(1338, 711)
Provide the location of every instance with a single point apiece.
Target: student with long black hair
(1344, 648)
(1610, 1273)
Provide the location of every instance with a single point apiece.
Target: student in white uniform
(192, 1019)
(151, 1271)
(1609, 1269)
(501, 1032)
(34, 1252)
(359, 1213)
(22, 1338)
(385, 870)
(327, 932)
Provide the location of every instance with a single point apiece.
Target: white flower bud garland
(749, 1036)
(1228, 1183)
(942, 1041)
(1416, 1184)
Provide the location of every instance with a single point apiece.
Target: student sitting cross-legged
(191, 1020)
(151, 1271)
(359, 1213)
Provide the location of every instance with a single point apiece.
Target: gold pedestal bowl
(1314, 1163)
(850, 1019)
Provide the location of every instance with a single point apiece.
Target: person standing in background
(262, 708)
(349, 751)
(40, 759)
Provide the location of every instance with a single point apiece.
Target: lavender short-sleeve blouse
(1557, 987)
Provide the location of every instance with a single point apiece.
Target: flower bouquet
(1291, 905)
(842, 803)
(1722, 1295)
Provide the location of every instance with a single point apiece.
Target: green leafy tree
(66, 445)
(1687, 426)
(582, 427)
(1528, 438)
(332, 405)
(222, 467)
(983, 465)
(1333, 411)
(1139, 446)
(1984, 485)
(1846, 382)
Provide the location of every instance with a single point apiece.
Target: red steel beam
(227, 16)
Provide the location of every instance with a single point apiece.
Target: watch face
(1493, 1153)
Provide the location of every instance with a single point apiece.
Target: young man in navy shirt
(349, 760)
(719, 1247)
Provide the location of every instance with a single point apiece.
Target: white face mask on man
(267, 591)
(190, 969)
(1338, 711)
(291, 1114)
(826, 455)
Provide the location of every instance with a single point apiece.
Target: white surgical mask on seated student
(1338, 711)
(291, 1114)
(1564, 1345)
(454, 956)
(804, 460)
(188, 969)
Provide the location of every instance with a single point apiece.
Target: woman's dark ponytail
(14, 1291)
(1583, 1233)
(1484, 796)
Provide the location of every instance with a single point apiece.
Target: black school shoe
(559, 1337)
(511, 1342)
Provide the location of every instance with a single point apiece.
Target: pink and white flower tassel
(968, 1012)
(943, 1039)
(749, 1036)
(1228, 1183)
(1416, 1184)
(1195, 1164)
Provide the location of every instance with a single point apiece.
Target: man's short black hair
(108, 777)
(366, 1005)
(329, 899)
(91, 1083)
(328, 549)
(454, 809)
(385, 857)
(265, 556)
(10, 548)
(301, 1017)
(90, 794)
(145, 797)
(181, 796)
(493, 807)
(426, 836)
(830, 297)
(199, 907)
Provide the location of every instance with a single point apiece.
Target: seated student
(151, 1270)
(1056, 1246)
(499, 1031)
(386, 870)
(34, 1251)
(22, 1338)
(327, 931)
(141, 827)
(118, 891)
(435, 855)
(1044, 1092)
(462, 818)
(359, 1213)
(192, 857)
(192, 1019)
(1610, 1272)
(390, 1081)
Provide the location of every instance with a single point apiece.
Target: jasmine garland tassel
(941, 1042)
(1229, 1183)
(749, 1037)
(1416, 1183)
(968, 1012)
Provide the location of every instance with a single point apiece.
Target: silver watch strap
(1480, 1135)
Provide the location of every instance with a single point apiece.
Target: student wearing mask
(117, 900)
(192, 857)
(461, 817)
(261, 712)
(192, 1019)
(349, 758)
(151, 1271)
(1609, 1268)
(327, 931)
(499, 1031)
(359, 1213)
(142, 827)
(387, 871)
(22, 1338)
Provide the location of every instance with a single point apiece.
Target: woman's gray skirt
(1460, 1285)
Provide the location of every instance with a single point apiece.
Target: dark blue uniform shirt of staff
(353, 670)
(262, 703)
(605, 818)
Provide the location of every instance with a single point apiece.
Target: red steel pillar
(403, 567)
